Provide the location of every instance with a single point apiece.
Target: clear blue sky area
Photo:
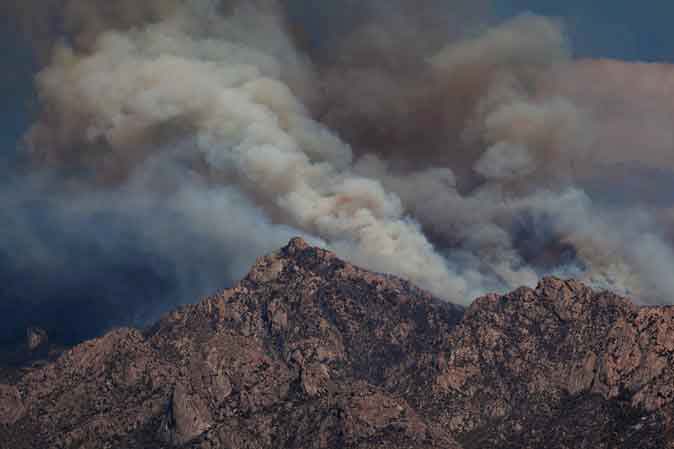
(623, 29)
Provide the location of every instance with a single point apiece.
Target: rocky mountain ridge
(309, 351)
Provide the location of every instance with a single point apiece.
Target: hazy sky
(15, 91)
(621, 29)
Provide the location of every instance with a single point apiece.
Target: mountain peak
(295, 244)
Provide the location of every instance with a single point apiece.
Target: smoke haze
(178, 141)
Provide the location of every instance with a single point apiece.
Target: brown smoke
(632, 105)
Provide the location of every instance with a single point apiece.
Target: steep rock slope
(559, 366)
(309, 351)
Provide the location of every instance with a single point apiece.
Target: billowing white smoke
(219, 79)
(203, 109)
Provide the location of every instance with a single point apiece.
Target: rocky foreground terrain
(311, 352)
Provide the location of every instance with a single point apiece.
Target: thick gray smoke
(180, 140)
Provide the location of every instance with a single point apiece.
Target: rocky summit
(308, 351)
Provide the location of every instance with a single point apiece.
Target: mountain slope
(309, 351)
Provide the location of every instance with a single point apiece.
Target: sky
(621, 29)
(16, 92)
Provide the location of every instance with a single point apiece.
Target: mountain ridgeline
(309, 351)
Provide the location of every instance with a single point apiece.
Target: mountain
(309, 351)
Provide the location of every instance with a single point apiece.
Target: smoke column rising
(178, 141)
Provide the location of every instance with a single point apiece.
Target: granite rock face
(11, 405)
(309, 351)
(559, 366)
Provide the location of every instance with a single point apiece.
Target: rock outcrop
(36, 338)
(309, 351)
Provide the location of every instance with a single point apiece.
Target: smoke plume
(177, 141)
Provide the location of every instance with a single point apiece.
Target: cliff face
(311, 352)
